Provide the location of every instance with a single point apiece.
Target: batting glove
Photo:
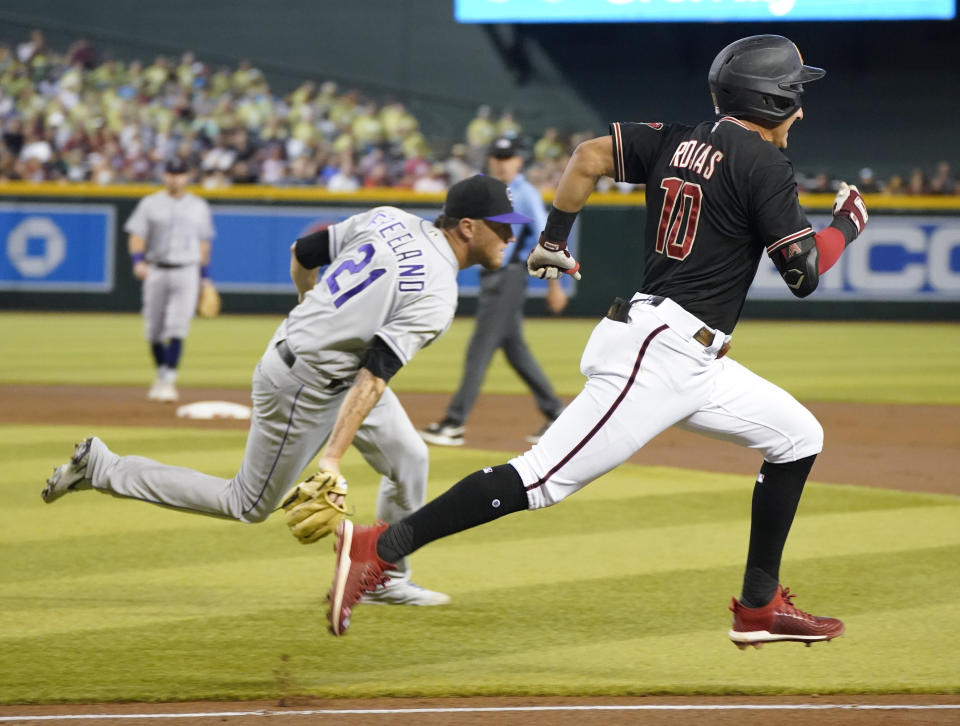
(849, 204)
(548, 260)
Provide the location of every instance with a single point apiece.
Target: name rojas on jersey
(697, 156)
(395, 234)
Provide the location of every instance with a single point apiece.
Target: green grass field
(621, 590)
(882, 362)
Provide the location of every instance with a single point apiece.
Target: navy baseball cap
(176, 166)
(482, 197)
(504, 147)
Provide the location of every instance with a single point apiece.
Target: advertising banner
(56, 248)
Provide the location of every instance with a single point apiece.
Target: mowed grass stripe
(525, 639)
(90, 524)
(88, 519)
(516, 560)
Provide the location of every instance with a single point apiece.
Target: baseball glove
(208, 302)
(315, 507)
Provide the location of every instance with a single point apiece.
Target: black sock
(776, 496)
(479, 498)
(157, 349)
(171, 355)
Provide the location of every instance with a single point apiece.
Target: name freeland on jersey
(393, 276)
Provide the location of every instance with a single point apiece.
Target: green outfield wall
(63, 248)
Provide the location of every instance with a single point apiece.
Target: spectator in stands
(507, 125)
(435, 182)
(456, 167)
(480, 133)
(81, 54)
(917, 183)
(343, 179)
(867, 183)
(398, 123)
(13, 138)
(31, 48)
(943, 181)
(894, 185)
(111, 122)
(273, 168)
(548, 146)
(366, 128)
(822, 184)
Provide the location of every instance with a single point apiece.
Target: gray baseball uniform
(392, 276)
(174, 230)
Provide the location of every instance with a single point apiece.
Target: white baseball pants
(646, 375)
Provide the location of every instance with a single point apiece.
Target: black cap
(176, 166)
(482, 197)
(504, 147)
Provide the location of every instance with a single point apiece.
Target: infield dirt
(906, 447)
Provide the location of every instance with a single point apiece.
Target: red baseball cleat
(777, 621)
(359, 570)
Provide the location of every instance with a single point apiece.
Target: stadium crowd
(77, 117)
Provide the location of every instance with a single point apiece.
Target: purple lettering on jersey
(394, 242)
(377, 218)
(410, 285)
(409, 254)
(352, 267)
(393, 225)
(411, 270)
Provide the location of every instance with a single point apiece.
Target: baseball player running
(388, 289)
(170, 233)
(718, 195)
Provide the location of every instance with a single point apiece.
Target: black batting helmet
(760, 77)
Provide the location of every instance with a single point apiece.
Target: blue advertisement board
(56, 247)
(643, 11)
(897, 258)
(251, 252)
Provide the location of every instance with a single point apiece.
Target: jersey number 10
(678, 218)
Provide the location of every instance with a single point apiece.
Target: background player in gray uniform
(170, 233)
(389, 288)
(719, 196)
(499, 320)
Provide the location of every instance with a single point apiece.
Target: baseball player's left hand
(849, 203)
(548, 260)
(316, 506)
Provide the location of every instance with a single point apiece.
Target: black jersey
(717, 196)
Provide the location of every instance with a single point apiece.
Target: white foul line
(499, 709)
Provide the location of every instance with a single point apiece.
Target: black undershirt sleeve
(313, 251)
(380, 360)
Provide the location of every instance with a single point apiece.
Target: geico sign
(917, 257)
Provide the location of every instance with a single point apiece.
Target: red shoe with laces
(359, 570)
(777, 621)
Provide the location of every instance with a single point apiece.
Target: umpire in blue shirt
(499, 321)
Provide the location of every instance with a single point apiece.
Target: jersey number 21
(352, 268)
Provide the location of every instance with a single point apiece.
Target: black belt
(168, 265)
(286, 355)
(620, 311)
(289, 358)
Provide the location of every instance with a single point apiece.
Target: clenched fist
(548, 260)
